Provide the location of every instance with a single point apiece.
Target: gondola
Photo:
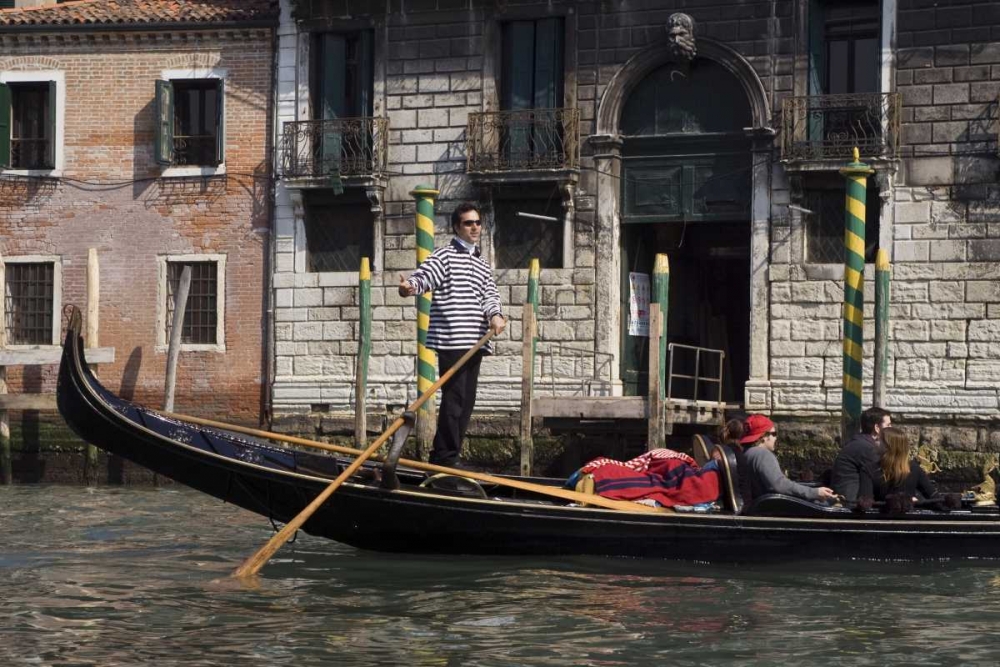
(386, 507)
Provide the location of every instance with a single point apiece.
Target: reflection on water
(140, 576)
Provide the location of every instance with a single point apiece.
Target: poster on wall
(638, 304)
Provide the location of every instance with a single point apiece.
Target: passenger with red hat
(766, 476)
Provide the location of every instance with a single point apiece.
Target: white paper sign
(638, 304)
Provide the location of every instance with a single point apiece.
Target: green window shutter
(50, 128)
(548, 64)
(4, 126)
(331, 73)
(518, 66)
(164, 150)
(364, 81)
(220, 123)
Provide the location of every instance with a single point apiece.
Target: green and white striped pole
(856, 174)
(426, 359)
(661, 295)
(364, 352)
(883, 274)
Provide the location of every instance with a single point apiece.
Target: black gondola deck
(278, 482)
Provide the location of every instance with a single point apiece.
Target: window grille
(28, 303)
(31, 128)
(517, 240)
(201, 314)
(824, 225)
(338, 234)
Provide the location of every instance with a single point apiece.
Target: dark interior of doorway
(709, 303)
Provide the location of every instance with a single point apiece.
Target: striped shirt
(465, 297)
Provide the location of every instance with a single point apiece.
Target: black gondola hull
(278, 483)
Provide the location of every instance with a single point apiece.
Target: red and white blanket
(668, 477)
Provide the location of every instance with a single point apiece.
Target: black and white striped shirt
(465, 296)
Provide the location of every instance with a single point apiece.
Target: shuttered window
(340, 230)
(28, 125)
(189, 122)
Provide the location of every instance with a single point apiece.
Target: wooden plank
(590, 407)
(52, 355)
(27, 401)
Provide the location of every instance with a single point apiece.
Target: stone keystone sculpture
(680, 37)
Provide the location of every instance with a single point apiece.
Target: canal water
(139, 576)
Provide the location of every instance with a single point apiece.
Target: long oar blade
(252, 565)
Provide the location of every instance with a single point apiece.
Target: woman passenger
(901, 474)
(766, 476)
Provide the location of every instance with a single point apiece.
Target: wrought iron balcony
(349, 147)
(828, 127)
(524, 140)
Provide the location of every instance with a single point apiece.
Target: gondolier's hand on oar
(498, 324)
(405, 287)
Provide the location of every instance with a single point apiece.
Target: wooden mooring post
(91, 341)
(529, 337)
(364, 352)
(176, 331)
(655, 431)
(883, 274)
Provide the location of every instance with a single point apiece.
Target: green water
(121, 576)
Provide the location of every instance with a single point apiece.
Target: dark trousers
(458, 397)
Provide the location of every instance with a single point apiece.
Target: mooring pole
(364, 352)
(6, 462)
(529, 339)
(883, 274)
(661, 295)
(93, 324)
(176, 330)
(426, 359)
(856, 174)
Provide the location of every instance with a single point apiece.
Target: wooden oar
(253, 564)
(554, 491)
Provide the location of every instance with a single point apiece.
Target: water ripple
(117, 576)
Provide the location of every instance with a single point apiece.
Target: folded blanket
(668, 477)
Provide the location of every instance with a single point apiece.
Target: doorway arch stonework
(607, 154)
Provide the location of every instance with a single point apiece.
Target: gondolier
(466, 303)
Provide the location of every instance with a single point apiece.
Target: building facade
(597, 134)
(137, 134)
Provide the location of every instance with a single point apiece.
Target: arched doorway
(686, 174)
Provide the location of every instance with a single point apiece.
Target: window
(532, 64)
(517, 239)
(844, 47)
(28, 124)
(824, 224)
(189, 122)
(342, 80)
(203, 327)
(30, 301)
(531, 88)
(339, 231)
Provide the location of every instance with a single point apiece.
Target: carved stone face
(680, 36)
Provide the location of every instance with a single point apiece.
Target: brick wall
(111, 196)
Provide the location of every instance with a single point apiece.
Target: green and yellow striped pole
(661, 295)
(426, 359)
(364, 352)
(856, 174)
(882, 278)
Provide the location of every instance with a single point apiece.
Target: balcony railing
(828, 127)
(350, 147)
(525, 140)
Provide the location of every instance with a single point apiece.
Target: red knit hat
(756, 426)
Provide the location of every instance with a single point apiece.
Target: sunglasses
(772, 433)
(470, 223)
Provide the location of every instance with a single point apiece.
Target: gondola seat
(728, 479)
(777, 504)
